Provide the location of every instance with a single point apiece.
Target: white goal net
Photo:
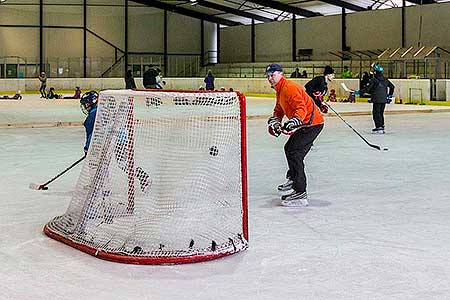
(164, 180)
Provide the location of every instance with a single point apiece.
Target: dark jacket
(379, 89)
(317, 84)
(149, 77)
(209, 82)
(129, 82)
(89, 126)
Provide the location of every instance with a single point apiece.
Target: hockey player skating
(304, 124)
(317, 87)
(88, 104)
(381, 91)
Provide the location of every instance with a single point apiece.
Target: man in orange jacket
(304, 124)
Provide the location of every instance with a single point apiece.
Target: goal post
(164, 180)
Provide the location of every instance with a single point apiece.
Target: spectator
(304, 74)
(209, 81)
(77, 94)
(129, 80)
(149, 77)
(296, 73)
(347, 73)
(201, 88)
(43, 80)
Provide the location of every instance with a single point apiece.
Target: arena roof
(239, 12)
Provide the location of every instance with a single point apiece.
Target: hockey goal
(164, 181)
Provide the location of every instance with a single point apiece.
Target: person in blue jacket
(209, 81)
(88, 104)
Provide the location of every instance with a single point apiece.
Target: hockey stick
(346, 88)
(43, 186)
(346, 123)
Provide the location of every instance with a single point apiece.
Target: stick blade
(345, 87)
(35, 186)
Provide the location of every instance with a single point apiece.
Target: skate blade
(295, 203)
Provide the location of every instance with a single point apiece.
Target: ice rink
(377, 227)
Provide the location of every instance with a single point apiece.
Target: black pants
(296, 148)
(378, 114)
(42, 90)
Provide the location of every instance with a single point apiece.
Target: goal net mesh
(164, 180)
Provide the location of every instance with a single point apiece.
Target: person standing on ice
(304, 124)
(381, 91)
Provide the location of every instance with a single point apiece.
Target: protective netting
(163, 181)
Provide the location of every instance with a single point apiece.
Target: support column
(344, 31)
(294, 38)
(126, 38)
(165, 43)
(218, 42)
(253, 43)
(41, 36)
(84, 38)
(202, 43)
(403, 23)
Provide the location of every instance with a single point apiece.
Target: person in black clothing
(129, 80)
(149, 78)
(304, 74)
(317, 87)
(296, 74)
(52, 94)
(364, 81)
(381, 91)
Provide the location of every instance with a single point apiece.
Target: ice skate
(295, 199)
(285, 188)
(378, 130)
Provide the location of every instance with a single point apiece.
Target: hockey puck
(213, 151)
(385, 149)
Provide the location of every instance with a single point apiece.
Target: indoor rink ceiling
(242, 12)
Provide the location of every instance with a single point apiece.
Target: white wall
(322, 34)
(273, 39)
(378, 29)
(235, 44)
(374, 30)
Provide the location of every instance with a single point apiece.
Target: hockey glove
(274, 126)
(291, 125)
(318, 97)
(389, 99)
(323, 108)
(356, 92)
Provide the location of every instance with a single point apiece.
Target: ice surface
(377, 227)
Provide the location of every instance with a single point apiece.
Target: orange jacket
(292, 100)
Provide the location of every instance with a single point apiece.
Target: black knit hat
(328, 70)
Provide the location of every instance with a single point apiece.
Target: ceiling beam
(286, 8)
(344, 4)
(188, 12)
(422, 1)
(233, 11)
